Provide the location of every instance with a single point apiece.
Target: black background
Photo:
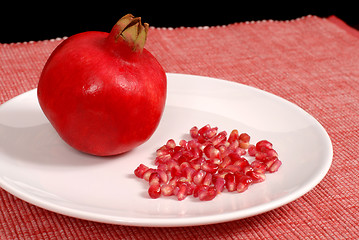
(46, 20)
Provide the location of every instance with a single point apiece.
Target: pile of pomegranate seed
(208, 164)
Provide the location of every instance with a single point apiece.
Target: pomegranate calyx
(132, 31)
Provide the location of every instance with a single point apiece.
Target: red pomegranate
(104, 93)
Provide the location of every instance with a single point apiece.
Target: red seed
(261, 146)
(198, 177)
(162, 159)
(167, 190)
(182, 192)
(183, 143)
(154, 178)
(226, 161)
(243, 182)
(244, 145)
(162, 151)
(257, 177)
(204, 129)
(198, 189)
(271, 153)
(252, 150)
(233, 136)
(194, 132)
(171, 143)
(154, 190)
(209, 167)
(232, 168)
(230, 182)
(162, 175)
(188, 173)
(173, 181)
(147, 174)
(140, 170)
(242, 163)
(275, 166)
(210, 133)
(260, 156)
(219, 138)
(207, 180)
(233, 146)
(219, 183)
(207, 194)
(211, 152)
(208, 149)
(244, 137)
(258, 164)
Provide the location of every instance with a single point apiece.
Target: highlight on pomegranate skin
(208, 164)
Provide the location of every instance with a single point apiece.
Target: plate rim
(186, 221)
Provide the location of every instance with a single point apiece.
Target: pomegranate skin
(102, 97)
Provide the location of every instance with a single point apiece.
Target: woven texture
(312, 62)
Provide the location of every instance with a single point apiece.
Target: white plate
(38, 167)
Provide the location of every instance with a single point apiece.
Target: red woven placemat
(312, 62)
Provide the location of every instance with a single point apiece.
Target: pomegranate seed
(210, 133)
(162, 175)
(167, 189)
(244, 145)
(232, 168)
(258, 164)
(226, 161)
(209, 167)
(207, 194)
(256, 176)
(243, 182)
(233, 146)
(233, 136)
(188, 173)
(198, 189)
(182, 192)
(207, 164)
(242, 163)
(183, 143)
(173, 181)
(208, 150)
(219, 138)
(154, 178)
(262, 145)
(148, 173)
(230, 182)
(140, 170)
(260, 156)
(252, 150)
(184, 165)
(162, 159)
(171, 143)
(204, 129)
(190, 188)
(244, 137)
(154, 191)
(235, 156)
(199, 176)
(207, 180)
(194, 132)
(271, 153)
(275, 166)
(219, 184)
(162, 151)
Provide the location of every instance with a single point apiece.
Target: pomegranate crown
(132, 31)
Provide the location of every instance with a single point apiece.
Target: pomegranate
(104, 93)
(208, 164)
